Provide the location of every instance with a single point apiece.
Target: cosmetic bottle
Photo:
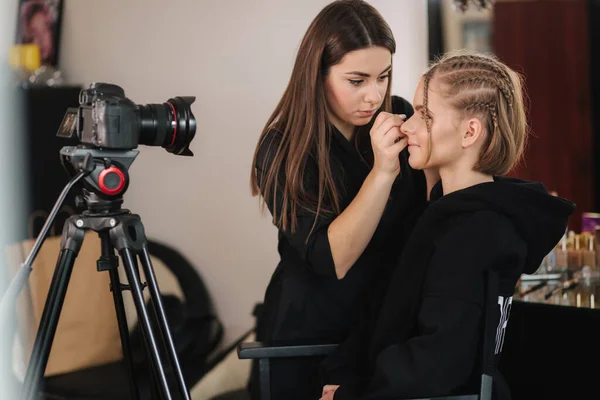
(589, 254)
(561, 256)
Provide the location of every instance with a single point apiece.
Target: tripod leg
(48, 323)
(130, 263)
(162, 321)
(123, 331)
(110, 261)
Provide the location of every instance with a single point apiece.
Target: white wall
(235, 56)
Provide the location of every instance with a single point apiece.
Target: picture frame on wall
(476, 35)
(451, 29)
(39, 22)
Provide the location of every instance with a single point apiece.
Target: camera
(106, 119)
(107, 127)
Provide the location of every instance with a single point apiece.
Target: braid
(483, 65)
(425, 101)
(488, 106)
(427, 78)
(503, 81)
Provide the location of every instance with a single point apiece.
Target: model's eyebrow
(364, 74)
(420, 108)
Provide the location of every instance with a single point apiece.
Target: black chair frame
(264, 352)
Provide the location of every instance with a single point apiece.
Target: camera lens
(170, 125)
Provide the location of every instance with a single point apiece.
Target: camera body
(107, 119)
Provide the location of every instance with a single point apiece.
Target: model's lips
(366, 113)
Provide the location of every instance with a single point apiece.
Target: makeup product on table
(575, 256)
(561, 256)
(589, 254)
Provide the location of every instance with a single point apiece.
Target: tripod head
(106, 178)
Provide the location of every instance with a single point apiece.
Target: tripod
(105, 176)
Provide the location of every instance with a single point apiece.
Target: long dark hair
(302, 113)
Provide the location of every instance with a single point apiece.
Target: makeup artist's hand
(387, 141)
(328, 392)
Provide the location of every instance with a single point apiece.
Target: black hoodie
(422, 336)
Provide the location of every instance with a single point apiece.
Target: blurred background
(235, 57)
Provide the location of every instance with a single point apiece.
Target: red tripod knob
(111, 180)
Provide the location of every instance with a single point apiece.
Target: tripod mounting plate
(107, 174)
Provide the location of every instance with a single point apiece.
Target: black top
(305, 301)
(426, 337)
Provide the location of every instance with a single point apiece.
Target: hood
(540, 218)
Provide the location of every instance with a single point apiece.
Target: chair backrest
(497, 312)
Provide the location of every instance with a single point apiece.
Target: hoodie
(421, 332)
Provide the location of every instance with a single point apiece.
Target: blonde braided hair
(480, 85)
